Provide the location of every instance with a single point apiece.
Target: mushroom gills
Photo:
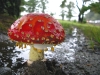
(43, 46)
(37, 47)
(21, 44)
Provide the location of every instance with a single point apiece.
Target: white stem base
(34, 55)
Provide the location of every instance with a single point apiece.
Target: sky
(54, 7)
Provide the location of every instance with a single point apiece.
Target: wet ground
(74, 56)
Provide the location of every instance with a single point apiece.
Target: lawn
(91, 32)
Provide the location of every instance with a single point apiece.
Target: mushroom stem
(35, 55)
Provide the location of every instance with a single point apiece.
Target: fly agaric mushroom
(38, 30)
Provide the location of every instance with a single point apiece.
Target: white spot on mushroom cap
(30, 25)
(42, 27)
(39, 20)
(46, 30)
(49, 22)
(31, 18)
(46, 16)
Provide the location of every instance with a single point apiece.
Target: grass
(66, 26)
(91, 32)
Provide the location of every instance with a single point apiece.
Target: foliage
(95, 7)
(42, 5)
(63, 14)
(5, 22)
(52, 14)
(36, 5)
(82, 10)
(63, 4)
(81, 18)
(31, 4)
(11, 7)
(70, 7)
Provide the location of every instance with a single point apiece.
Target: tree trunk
(62, 18)
(80, 18)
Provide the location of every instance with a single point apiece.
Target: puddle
(65, 52)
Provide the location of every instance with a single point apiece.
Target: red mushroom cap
(37, 28)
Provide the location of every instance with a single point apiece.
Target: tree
(42, 5)
(63, 4)
(82, 10)
(62, 14)
(70, 7)
(36, 5)
(52, 14)
(31, 5)
(95, 7)
(11, 7)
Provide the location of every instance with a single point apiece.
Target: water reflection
(6, 53)
(21, 53)
(65, 52)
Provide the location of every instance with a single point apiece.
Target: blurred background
(77, 10)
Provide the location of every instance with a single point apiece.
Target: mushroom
(38, 30)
